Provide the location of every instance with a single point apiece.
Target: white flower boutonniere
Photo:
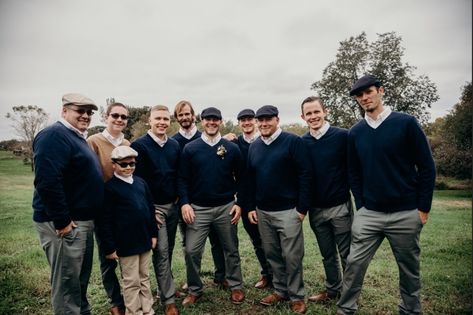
(221, 151)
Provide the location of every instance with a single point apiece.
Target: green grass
(446, 243)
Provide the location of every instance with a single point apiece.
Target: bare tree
(28, 120)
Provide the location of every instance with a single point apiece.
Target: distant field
(446, 262)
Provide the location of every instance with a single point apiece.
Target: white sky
(229, 54)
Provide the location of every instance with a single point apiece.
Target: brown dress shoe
(190, 299)
(321, 297)
(272, 299)
(237, 296)
(116, 310)
(171, 309)
(298, 307)
(264, 282)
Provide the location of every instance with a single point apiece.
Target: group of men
(203, 182)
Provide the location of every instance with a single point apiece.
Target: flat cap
(267, 111)
(78, 100)
(123, 151)
(211, 112)
(363, 83)
(246, 113)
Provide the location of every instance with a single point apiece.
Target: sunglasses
(126, 164)
(116, 116)
(82, 111)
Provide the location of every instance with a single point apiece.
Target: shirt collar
(274, 136)
(209, 141)
(71, 127)
(115, 141)
(317, 134)
(127, 179)
(188, 134)
(160, 142)
(375, 123)
(251, 138)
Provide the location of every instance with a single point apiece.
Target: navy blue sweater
(329, 166)
(280, 174)
(183, 141)
(68, 178)
(206, 179)
(128, 221)
(158, 167)
(391, 167)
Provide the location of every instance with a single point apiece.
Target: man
(185, 116)
(280, 178)
(330, 214)
(247, 123)
(208, 177)
(391, 175)
(157, 164)
(67, 197)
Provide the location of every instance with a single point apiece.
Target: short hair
(112, 105)
(159, 107)
(180, 106)
(311, 99)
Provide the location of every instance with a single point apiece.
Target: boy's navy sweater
(158, 167)
(68, 177)
(280, 174)
(128, 222)
(391, 167)
(183, 141)
(206, 179)
(244, 178)
(329, 167)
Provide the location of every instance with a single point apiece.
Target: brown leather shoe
(321, 297)
(263, 283)
(237, 296)
(116, 310)
(190, 299)
(272, 299)
(171, 309)
(298, 307)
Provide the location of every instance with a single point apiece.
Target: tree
(404, 91)
(28, 120)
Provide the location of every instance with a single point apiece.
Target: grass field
(446, 243)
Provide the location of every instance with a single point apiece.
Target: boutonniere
(221, 151)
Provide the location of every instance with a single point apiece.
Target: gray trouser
(70, 258)
(332, 228)
(109, 277)
(283, 245)
(402, 229)
(219, 219)
(161, 263)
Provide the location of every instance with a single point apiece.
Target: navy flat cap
(267, 111)
(363, 83)
(211, 112)
(246, 113)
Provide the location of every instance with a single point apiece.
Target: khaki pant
(136, 285)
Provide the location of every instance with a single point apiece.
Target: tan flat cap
(122, 152)
(78, 100)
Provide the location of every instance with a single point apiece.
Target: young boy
(129, 230)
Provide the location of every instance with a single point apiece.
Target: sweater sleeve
(304, 173)
(184, 178)
(153, 226)
(354, 171)
(140, 169)
(104, 223)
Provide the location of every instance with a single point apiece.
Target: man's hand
(188, 214)
(66, 230)
(253, 217)
(154, 242)
(112, 256)
(424, 216)
(301, 216)
(230, 136)
(235, 213)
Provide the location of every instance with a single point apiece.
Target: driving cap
(211, 112)
(363, 83)
(246, 113)
(122, 152)
(78, 100)
(267, 111)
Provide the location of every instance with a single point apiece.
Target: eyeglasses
(82, 111)
(116, 115)
(126, 164)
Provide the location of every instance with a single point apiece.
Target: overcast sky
(228, 54)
